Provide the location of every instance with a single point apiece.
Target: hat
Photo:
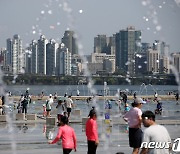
(139, 100)
(50, 95)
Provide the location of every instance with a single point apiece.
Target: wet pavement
(29, 137)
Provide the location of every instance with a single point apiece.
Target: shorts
(48, 109)
(135, 137)
(68, 109)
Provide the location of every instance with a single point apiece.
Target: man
(133, 117)
(69, 104)
(92, 132)
(177, 98)
(49, 103)
(154, 134)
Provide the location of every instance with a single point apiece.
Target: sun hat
(139, 100)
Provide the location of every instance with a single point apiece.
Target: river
(84, 91)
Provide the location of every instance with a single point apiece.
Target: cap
(139, 100)
(50, 95)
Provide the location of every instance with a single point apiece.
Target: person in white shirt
(49, 103)
(69, 104)
(154, 136)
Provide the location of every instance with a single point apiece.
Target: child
(126, 108)
(44, 110)
(68, 136)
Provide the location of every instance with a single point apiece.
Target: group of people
(24, 100)
(134, 117)
(153, 133)
(64, 107)
(68, 136)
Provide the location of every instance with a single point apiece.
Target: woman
(92, 132)
(133, 117)
(68, 136)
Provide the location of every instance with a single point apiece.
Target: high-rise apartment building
(15, 55)
(161, 47)
(51, 50)
(111, 45)
(42, 42)
(34, 57)
(9, 44)
(153, 61)
(63, 61)
(103, 44)
(128, 42)
(70, 42)
(100, 44)
(176, 61)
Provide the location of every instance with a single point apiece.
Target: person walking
(177, 98)
(133, 117)
(92, 132)
(154, 133)
(49, 103)
(68, 136)
(23, 104)
(69, 104)
(60, 111)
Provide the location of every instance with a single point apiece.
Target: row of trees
(98, 80)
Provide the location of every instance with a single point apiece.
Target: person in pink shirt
(68, 136)
(133, 117)
(92, 132)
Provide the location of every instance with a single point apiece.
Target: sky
(157, 19)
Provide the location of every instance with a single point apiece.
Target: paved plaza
(31, 136)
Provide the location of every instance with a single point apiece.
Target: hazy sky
(158, 19)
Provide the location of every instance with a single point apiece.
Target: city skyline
(89, 19)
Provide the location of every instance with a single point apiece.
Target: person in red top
(92, 132)
(68, 136)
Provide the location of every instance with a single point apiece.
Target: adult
(60, 111)
(1, 106)
(177, 98)
(154, 133)
(49, 103)
(134, 95)
(124, 98)
(20, 103)
(92, 132)
(155, 96)
(3, 100)
(69, 104)
(27, 96)
(68, 136)
(133, 117)
(23, 104)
